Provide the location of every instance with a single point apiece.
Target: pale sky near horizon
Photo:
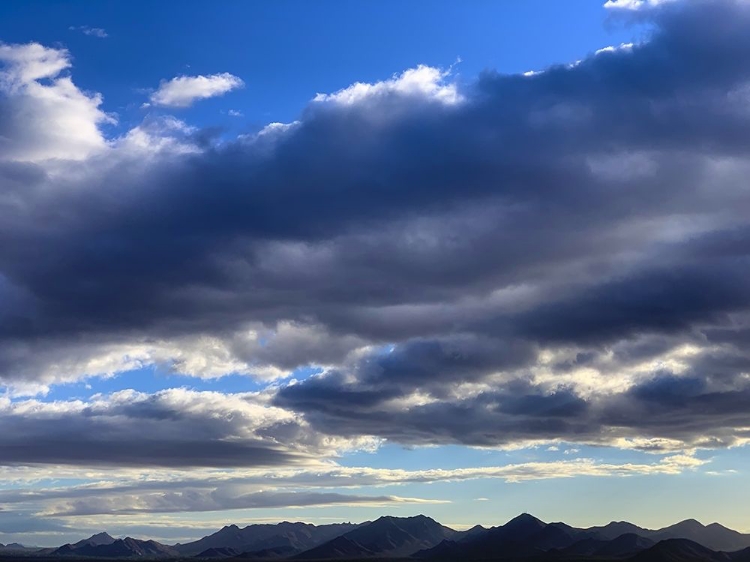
(324, 261)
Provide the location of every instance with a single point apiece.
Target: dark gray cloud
(594, 213)
(174, 428)
(661, 413)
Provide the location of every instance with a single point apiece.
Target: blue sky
(465, 259)
(288, 51)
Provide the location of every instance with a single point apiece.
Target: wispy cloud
(183, 91)
(91, 31)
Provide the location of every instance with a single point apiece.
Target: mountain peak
(690, 523)
(525, 519)
(98, 539)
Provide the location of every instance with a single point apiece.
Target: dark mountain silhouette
(340, 547)
(584, 547)
(680, 550)
(521, 537)
(95, 540)
(18, 546)
(385, 537)
(625, 545)
(280, 552)
(120, 548)
(713, 536)
(297, 536)
(219, 552)
(470, 533)
(616, 529)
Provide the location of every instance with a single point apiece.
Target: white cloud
(182, 91)
(633, 4)
(158, 135)
(50, 120)
(422, 81)
(614, 49)
(254, 351)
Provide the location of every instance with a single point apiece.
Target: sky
(325, 261)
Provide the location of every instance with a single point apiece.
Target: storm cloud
(555, 256)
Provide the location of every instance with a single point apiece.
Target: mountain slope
(680, 550)
(95, 540)
(120, 548)
(713, 536)
(294, 536)
(220, 552)
(615, 529)
(628, 544)
(387, 536)
(521, 537)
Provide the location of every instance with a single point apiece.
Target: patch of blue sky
(457, 456)
(152, 379)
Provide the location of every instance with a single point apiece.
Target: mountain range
(422, 538)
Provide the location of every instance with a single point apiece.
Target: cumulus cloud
(183, 91)
(425, 82)
(43, 114)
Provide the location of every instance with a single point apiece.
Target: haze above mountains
(422, 538)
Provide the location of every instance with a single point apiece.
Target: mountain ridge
(421, 537)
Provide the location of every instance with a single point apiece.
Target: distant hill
(384, 537)
(523, 536)
(623, 546)
(680, 550)
(95, 540)
(713, 536)
(253, 538)
(14, 548)
(120, 548)
(616, 529)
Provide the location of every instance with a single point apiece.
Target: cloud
(425, 82)
(183, 91)
(634, 4)
(171, 428)
(219, 500)
(43, 115)
(200, 490)
(91, 31)
(515, 260)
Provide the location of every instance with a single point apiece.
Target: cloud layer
(554, 257)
